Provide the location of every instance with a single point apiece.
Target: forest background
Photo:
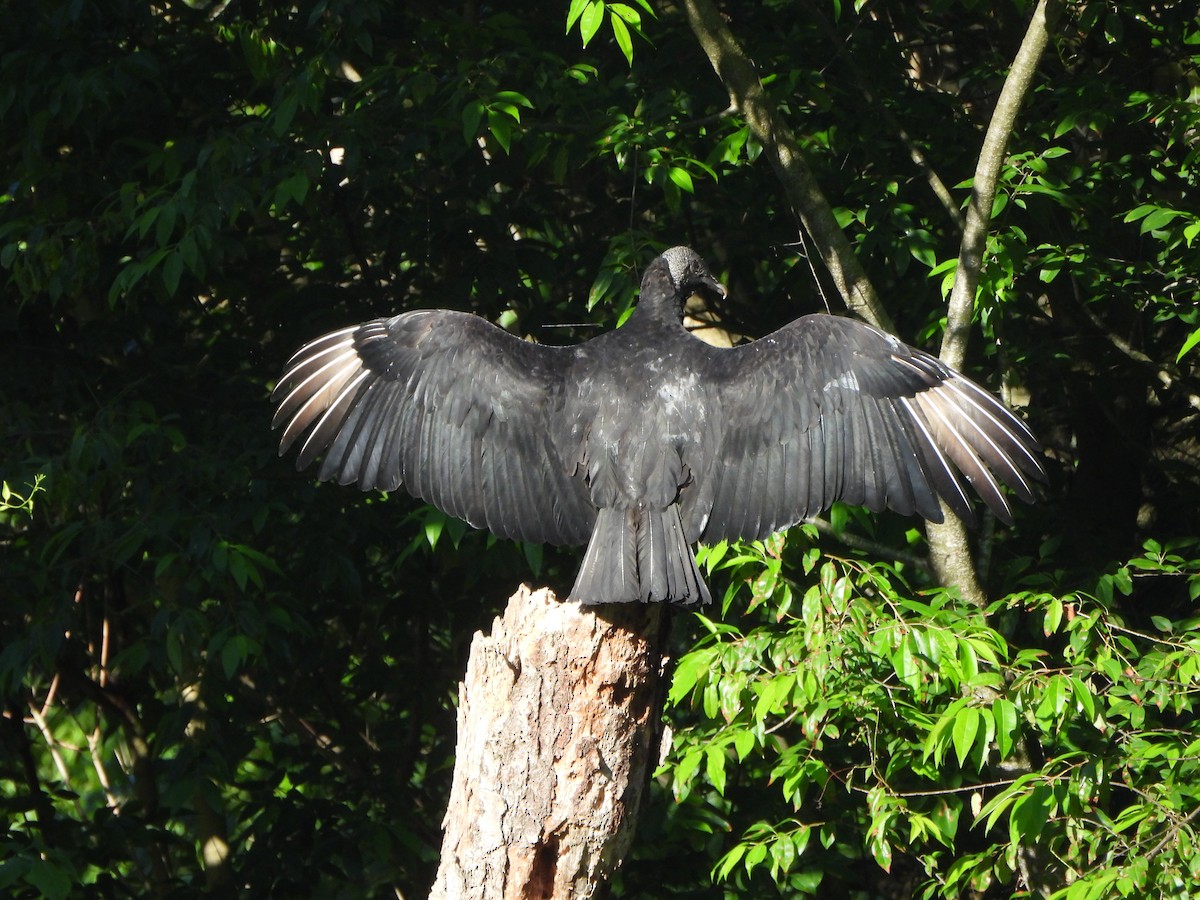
(216, 674)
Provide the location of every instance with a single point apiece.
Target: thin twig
(875, 548)
(52, 745)
(863, 83)
(1173, 832)
(747, 96)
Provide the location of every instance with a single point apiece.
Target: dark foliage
(230, 656)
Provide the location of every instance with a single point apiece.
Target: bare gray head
(689, 274)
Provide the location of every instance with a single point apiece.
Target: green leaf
(729, 150)
(281, 117)
(936, 742)
(509, 109)
(907, 663)
(682, 178)
(1158, 219)
(783, 854)
(966, 727)
(172, 272)
(294, 188)
(174, 645)
(714, 554)
(968, 661)
(626, 12)
(234, 652)
(434, 524)
(472, 115)
(501, 128)
(575, 11)
(743, 743)
(591, 20)
(688, 672)
(774, 696)
(1053, 701)
(755, 856)
(1053, 617)
(1029, 815)
(145, 222)
(534, 555)
(714, 768)
(514, 98)
(1005, 714)
(881, 850)
(621, 33)
(239, 569)
(1083, 695)
(1192, 340)
(1163, 624)
(1139, 212)
(50, 879)
(726, 865)
(582, 73)
(165, 225)
(686, 769)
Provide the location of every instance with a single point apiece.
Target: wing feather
(831, 409)
(945, 427)
(463, 414)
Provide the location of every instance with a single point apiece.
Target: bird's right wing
(459, 411)
(827, 409)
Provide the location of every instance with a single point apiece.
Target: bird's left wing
(827, 409)
(459, 411)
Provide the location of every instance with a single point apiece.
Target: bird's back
(639, 408)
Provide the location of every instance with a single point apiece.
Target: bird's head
(689, 274)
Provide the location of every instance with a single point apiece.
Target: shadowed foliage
(218, 675)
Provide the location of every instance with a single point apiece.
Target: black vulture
(644, 440)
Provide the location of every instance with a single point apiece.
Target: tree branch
(949, 547)
(961, 311)
(875, 548)
(747, 96)
(863, 83)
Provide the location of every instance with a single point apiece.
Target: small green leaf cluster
(624, 20)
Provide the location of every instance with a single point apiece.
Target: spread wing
(459, 411)
(827, 409)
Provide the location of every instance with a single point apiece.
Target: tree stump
(559, 721)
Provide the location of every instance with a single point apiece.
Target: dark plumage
(644, 440)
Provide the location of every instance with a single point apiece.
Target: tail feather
(639, 554)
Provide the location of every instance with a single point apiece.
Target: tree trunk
(558, 732)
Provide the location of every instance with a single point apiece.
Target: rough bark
(558, 732)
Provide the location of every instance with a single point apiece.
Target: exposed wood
(559, 721)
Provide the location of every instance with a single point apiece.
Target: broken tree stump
(559, 721)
